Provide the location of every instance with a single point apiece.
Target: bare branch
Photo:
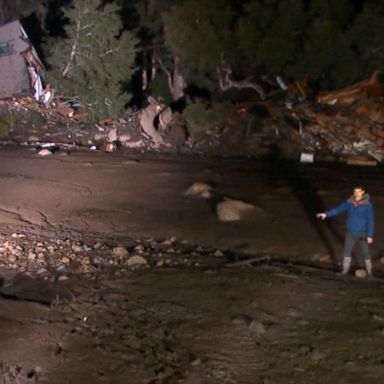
(167, 72)
(224, 73)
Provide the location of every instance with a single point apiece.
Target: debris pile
(343, 125)
(346, 124)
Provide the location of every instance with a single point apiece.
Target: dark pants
(351, 240)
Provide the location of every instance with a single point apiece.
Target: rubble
(344, 125)
(57, 259)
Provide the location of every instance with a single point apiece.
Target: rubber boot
(368, 267)
(346, 265)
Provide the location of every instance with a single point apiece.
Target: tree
(96, 59)
(199, 34)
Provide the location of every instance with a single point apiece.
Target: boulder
(199, 189)
(232, 210)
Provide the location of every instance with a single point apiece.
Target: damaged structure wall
(15, 77)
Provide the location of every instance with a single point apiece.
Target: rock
(124, 138)
(232, 210)
(60, 268)
(63, 278)
(112, 135)
(65, 260)
(44, 152)
(360, 273)
(32, 256)
(137, 262)
(134, 144)
(77, 248)
(218, 253)
(197, 189)
(120, 252)
(41, 271)
(110, 147)
(257, 328)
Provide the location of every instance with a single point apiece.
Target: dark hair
(359, 186)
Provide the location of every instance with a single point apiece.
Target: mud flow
(110, 273)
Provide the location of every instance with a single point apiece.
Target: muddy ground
(200, 313)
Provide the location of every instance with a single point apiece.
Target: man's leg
(347, 259)
(366, 255)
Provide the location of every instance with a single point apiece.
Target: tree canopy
(109, 49)
(95, 59)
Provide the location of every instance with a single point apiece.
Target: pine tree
(96, 59)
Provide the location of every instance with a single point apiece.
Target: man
(360, 224)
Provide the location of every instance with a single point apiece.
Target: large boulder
(232, 210)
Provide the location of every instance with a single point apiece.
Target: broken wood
(362, 162)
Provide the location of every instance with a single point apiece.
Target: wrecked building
(21, 69)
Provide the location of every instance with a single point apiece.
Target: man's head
(358, 193)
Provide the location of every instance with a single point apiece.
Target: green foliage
(297, 38)
(199, 32)
(95, 60)
(25, 122)
(200, 115)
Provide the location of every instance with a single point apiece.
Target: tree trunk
(176, 81)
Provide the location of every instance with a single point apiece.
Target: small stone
(137, 261)
(218, 253)
(77, 248)
(60, 268)
(120, 252)
(63, 278)
(12, 258)
(32, 256)
(360, 273)
(197, 189)
(65, 260)
(44, 152)
(196, 362)
(41, 271)
(257, 328)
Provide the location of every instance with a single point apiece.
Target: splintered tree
(95, 62)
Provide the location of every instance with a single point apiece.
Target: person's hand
(369, 240)
(321, 215)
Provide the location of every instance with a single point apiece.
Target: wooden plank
(361, 162)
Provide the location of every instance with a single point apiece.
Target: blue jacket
(359, 216)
